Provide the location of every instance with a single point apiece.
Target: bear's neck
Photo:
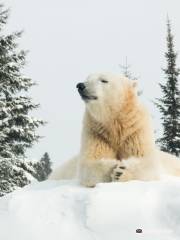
(131, 123)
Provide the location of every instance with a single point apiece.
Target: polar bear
(118, 141)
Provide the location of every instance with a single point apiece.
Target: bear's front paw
(124, 171)
(118, 171)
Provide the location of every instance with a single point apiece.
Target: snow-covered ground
(63, 210)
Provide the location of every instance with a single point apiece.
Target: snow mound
(54, 210)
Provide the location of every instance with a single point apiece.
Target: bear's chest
(116, 138)
(109, 134)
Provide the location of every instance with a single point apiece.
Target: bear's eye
(103, 81)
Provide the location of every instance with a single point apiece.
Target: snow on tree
(43, 168)
(17, 127)
(169, 103)
(14, 174)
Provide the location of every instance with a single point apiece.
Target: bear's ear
(135, 84)
(135, 87)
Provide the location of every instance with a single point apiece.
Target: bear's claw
(118, 171)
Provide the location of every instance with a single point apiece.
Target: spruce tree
(43, 168)
(14, 174)
(169, 103)
(17, 127)
(126, 71)
(125, 68)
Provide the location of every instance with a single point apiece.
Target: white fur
(97, 160)
(67, 170)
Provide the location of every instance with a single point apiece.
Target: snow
(65, 210)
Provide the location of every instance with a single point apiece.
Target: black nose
(80, 86)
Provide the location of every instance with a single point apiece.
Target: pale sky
(70, 39)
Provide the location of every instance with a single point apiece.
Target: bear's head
(105, 94)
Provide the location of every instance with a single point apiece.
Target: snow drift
(64, 210)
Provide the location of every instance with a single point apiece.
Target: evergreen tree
(125, 68)
(43, 168)
(17, 127)
(127, 73)
(14, 174)
(169, 103)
